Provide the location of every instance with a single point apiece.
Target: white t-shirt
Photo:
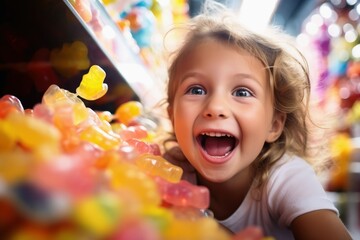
(292, 190)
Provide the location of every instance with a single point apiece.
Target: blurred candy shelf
(145, 24)
(119, 48)
(331, 36)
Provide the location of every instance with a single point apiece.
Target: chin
(216, 177)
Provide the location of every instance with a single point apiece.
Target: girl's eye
(242, 92)
(196, 91)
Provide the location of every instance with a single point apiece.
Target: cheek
(182, 123)
(260, 118)
(183, 136)
(255, 127)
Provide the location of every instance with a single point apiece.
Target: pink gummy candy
(143, 147)
(138, 132)
(184, 194)
(71, 174)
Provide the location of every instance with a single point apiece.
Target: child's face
(222, 111)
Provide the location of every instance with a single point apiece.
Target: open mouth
(217, 144)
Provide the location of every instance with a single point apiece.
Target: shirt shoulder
(293, 188)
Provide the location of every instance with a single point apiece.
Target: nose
(216, 107)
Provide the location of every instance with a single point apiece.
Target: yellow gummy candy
(92, 86)
(99, 215)
(14, 165)
(55, 97)
(37, 135)
(203, 228)
(158, 166)
(96, 135)
(128, 111)
(130, 177)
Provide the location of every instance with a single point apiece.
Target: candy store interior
(81, 89)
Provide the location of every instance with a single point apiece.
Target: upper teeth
(216, 134)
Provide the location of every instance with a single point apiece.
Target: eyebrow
(238, 75)
(245, 75)
(190, 74)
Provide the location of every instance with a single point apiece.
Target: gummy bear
(183, 193)
(158, 166)
(92, 86)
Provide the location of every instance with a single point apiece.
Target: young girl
(238, 104)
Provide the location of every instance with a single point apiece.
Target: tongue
(218, 146)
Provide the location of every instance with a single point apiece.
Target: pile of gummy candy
(69, 172)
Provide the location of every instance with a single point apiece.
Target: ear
(277, 127)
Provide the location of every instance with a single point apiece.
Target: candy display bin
(34, 37)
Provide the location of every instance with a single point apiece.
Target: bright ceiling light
(257, 14)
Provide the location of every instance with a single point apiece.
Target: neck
(226, 197)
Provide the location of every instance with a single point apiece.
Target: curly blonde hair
(288, 75)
